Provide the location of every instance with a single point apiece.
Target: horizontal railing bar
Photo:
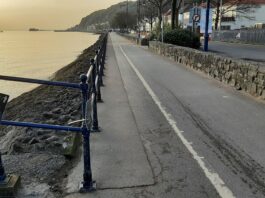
(42, 82)
(41, 126)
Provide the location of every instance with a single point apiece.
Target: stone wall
(243, 75)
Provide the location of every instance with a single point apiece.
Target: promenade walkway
(137, 154)
(168, 132)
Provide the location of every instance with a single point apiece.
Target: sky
(47, 14)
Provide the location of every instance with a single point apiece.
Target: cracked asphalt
(139, 154)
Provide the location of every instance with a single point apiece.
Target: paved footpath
(171, 132)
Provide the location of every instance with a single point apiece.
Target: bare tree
(176, 5)
(243, 8)
(158, 4)
(123, 21)
(173, 13)
(149, 14)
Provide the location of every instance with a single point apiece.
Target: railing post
(2, 171)
(98, 76)
(88, 185)
(95, 127)
(100, 66)
(104, 54)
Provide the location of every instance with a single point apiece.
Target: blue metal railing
(90, 90)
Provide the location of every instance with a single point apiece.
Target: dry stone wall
(243, 75)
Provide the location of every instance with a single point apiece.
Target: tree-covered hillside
(104, 16)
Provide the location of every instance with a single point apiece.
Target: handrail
(90, 90)
(41, 82)
(42, 126)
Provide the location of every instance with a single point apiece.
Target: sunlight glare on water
(37, 55)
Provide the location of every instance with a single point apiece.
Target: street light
(220, 18)
(206, 35)
(127, 13)
(139, 16)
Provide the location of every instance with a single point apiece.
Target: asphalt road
(222, 129)
(241, 51)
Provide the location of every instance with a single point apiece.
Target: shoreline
(38, 61)
(37, 155)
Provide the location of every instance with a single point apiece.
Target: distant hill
(103, 16)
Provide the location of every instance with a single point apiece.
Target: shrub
(182, 37)
(152, 36)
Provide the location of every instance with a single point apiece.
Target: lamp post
(220, 18)
(139, 16)
(162, 29)
(138, 20)
(206, 35)
(127, 15)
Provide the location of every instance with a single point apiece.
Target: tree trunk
(217, 15)
(151, 23)
(159, 20)
(177, 18)
(173, 14)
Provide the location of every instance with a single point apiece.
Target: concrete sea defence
(243, 75)
(39, 156)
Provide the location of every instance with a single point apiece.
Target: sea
(37, 54)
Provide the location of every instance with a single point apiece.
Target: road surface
(240, 51)
(224, 126)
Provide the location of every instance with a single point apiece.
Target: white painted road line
(213, 177)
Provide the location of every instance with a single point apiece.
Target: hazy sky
(47, 14)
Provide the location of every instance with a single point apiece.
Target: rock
(216, 73)
(50, 121)
(44, 137)
(228, 75)
(42, 132)
(52, 139)
(253, 89)
(57, 111)
(48, 115)
(64, 118)
(227, 67)
(39, 147)
(26, 140)
(16, 147)
(33, 141)
(238, 86)
(58, 144)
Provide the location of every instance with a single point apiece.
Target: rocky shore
(40, 156)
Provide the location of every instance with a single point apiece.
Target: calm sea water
(37, 55)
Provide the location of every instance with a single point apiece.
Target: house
(233, 19)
